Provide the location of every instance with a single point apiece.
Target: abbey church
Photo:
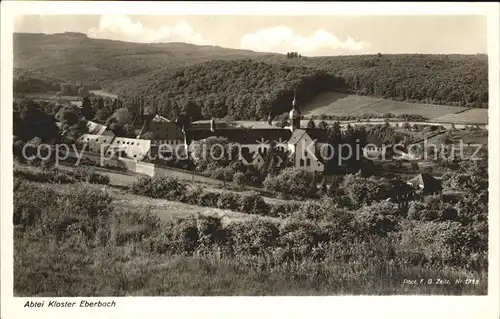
(303, 145)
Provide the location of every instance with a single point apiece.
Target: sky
(308, 35)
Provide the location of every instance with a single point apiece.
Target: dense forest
(205, 81)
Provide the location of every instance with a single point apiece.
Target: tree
(365, 190)
(283, 120)
(212, 152)
(68, 117)
(75, 131)
(323, 125)
(311, 124)
(84, 92)
(291, 180)
(32, 121)
(87, 110)
(122, 116)
(102, 115)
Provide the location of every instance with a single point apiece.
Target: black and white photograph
(201, 155)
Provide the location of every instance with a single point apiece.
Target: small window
(308, 162)
(305, 153)
(301, 162)
(97, 140)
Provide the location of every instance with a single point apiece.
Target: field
(335, 103)
(476, 116)
(104, 94)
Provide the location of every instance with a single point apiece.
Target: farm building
(302, 144)
(426, 183)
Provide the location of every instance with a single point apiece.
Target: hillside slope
(205, 81)
(75, 57)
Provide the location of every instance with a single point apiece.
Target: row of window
(169, 142)
(117, 142)
(308, 162)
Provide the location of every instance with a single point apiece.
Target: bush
(208, 199)
(184, 235)
(283, 210)
(436, 243)
(159, 186)
(239, 179)
(378, 219)
(229, 200)
(254, 204)
(44, 176)
(291, 180)
(210, 231)
(253, 236)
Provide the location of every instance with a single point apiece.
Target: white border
(231, 307)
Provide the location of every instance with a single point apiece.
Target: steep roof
(318, 134)
(96, 128)
(296, 136)
(426, 181)
(159, 118)
(35, 141)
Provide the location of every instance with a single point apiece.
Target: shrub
(291, 180)
(184, 235)
(239, 179)
(254, 204)
(89, 175)
(191, 195)
(96, 178)
(297, 239)
(436, 243)
(283, 210)
(210, 231)
(378, 219)
(159, 186)
(229, 200)
(253, 236)
(208, 199)
(48, 175)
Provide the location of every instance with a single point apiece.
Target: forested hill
(75, 57)
(212, 81)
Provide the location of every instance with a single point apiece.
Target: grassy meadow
(81, 239)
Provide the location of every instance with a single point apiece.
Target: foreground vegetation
(202, 82)
(80, 244)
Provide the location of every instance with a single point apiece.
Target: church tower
(294, 114)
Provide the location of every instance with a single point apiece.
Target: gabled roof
(426, 181)
(399, 185)
(318, 134)
(296, 136)
(241, 136)
(35, 141)
(96, 128)
(159, 118)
